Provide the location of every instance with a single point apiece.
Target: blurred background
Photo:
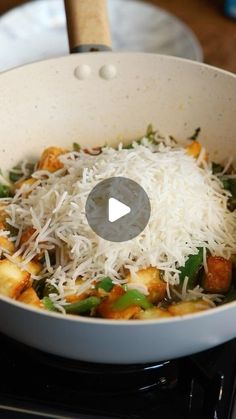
(203, 30)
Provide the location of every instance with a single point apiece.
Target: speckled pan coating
(46, 104)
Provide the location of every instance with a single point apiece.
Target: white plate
(37, 31)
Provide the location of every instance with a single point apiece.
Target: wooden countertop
(216, 32)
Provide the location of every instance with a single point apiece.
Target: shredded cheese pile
(188, 210)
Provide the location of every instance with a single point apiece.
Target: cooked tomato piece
(219, 276)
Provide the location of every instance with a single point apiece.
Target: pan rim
(163, 57)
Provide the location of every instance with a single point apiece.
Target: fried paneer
(150, 278)
(107, 311)
(49, 159)
(30, 297)
(188, 307)
(218, 279)
(6, 245)
(3, 216)
(13, 280)
(153, 313)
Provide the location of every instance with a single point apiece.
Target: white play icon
(116, 210)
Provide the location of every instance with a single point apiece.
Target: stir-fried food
(182, 263)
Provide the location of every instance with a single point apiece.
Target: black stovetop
(38, 385)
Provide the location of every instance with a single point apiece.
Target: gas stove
(38, 385)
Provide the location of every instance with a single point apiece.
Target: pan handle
(87, 25)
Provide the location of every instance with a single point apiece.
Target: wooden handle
(87, 25)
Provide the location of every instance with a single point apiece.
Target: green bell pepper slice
(131, 297)
(106, 284)
(83, 306)
(191, 268)
(5, 191)
(49, 289)
(48, 304)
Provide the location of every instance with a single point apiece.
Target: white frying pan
(97, 97)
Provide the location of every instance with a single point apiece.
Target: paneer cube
(33, 267)
(26, 186)
(188, 307)
(6, 245)
(30, 297)
(13, 280)
(26, 234)
(150, 278)
(2, 206)
(3, 216)
(106, 311)
(218, 279)
(153, 313)
(27, 183)
(126, 314)
(49, 159)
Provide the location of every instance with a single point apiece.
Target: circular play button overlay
(118, 209)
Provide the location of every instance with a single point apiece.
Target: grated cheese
(188, 211)
(205, 260)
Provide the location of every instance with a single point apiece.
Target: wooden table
(216, 33)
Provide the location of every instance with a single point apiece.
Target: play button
(118, 209)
